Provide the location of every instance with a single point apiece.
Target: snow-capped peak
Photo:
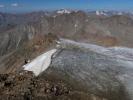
(98, 13)
(62, 11)
(119, 13)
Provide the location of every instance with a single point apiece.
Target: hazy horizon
(41, 5)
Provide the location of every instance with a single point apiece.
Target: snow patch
(41, 63)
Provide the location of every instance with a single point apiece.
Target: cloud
(14, 4)
(2, 6)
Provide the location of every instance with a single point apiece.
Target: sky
(36, 5)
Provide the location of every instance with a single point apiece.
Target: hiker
(26, 61)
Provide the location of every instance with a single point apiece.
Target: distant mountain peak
(62, 11)
(98, 13)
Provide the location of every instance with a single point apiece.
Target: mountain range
(89, 51)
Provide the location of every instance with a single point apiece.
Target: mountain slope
(17, 29)
(89, 68)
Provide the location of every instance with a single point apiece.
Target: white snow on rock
(123, 51)
(98, 13)
(41, 63)
(122, 54)
(63, 11)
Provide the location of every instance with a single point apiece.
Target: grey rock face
(99, 72)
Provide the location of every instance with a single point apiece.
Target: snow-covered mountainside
(103, 71)
(117, 52)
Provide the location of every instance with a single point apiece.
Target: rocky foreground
(25, 86)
